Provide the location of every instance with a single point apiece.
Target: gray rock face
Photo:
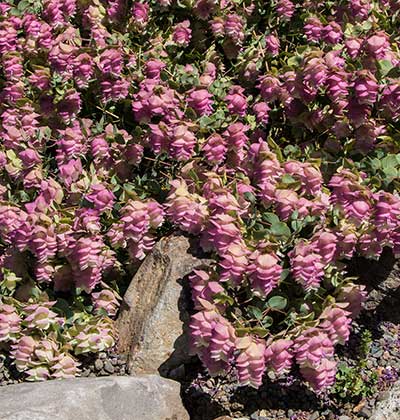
(147, 397)
(389, 409)
(153, 316)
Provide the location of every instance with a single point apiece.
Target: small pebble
(344, 418)
(314, 416)
(98, 364)
(384, 395)
(365, 412)
(108, 367)
(378, 353)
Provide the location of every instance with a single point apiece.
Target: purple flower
(365, 87)
(272, 44)
(153, 68)
(101, 198)
(307, 265)
(200, 100)
(140, 13)
(234, 263)
(261, 109)
(377, 45)
(236, 101)
(278, 356)
(264, 273)
(234, 28)
(215, 148)
(332, 33)
(313, 29)
(250, 363)
(285, 9)
(270, 88)
(182, 33)
(336, 323)
(183, 142)
(10, 323)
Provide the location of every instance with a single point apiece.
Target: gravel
(100, 364)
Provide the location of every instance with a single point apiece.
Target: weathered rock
(153, 316)
(147, 397)
(388, 409)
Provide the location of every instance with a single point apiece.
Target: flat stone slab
(147, 397)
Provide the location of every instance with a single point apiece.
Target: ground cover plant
(267, 130)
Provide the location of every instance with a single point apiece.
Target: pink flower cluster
(213, 339)
(268, 132)
(134, 230)
(312, 350)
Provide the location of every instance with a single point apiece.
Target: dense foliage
(269, 130)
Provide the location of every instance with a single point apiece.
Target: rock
(108, 367)
(153, 316)
(147, 397)
(98, 364)
(383, 396)
(388, 409)
(365, 412)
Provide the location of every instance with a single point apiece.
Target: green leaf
(285, 272)
(390, 172)
(390, 161)
(249, 196)
(277, 302)
(270, 218)
(384, 67)
(261, 332)
(255, 312)
(267, 322)
(260, 234)
(281, 229)
(223, 298)
(240, 332)
(288, 179)
(294, 61)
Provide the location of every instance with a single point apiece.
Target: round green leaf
(277, 302)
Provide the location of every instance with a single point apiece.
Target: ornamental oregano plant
(269, 131)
